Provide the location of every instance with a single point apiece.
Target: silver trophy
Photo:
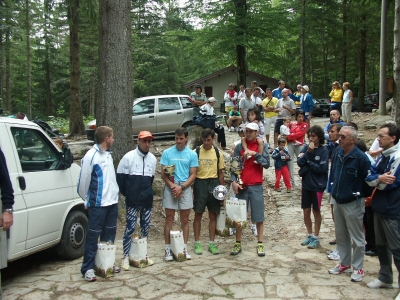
(220, 192)
(236, 167)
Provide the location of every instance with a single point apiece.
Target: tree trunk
(28, 60)
(396, 58)
(49, 108)
(302, 46)
(115, 84)
(382, 67)
(344, 41)
(241, 31)
(8, 70)
(363, 61)
(76, 126)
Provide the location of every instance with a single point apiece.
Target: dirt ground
(367, 125)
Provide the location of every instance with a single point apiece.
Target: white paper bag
(104, 260)
(177, 247)
(236, 215)
(221, 229)
(138, 253)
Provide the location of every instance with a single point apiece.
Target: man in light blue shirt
(177, 191)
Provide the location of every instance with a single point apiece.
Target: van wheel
(187, 125)
(72, 243)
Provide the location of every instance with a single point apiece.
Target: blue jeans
(103, 224)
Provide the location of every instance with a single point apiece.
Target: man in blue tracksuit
(306, 102)
(98, 187)
(385, 176)
(135, 176)
(349, 168)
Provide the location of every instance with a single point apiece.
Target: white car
(47, 210)
(160, 115)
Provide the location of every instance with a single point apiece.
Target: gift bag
(236, 214)
(138, 253)
(104, 260)
(177, 247)
(221, 230)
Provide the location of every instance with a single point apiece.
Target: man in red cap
(135, 175)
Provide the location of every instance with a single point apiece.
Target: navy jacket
(279, 162)
(318, 161)
(386, 202)
(7, 192)
(347, 175)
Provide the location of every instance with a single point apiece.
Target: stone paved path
(288, 271)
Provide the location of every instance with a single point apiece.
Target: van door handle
(179, 113)
(151, 117)
(22, 183)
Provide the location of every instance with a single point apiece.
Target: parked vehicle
(374, 98)
(368, 105)
(47, 211)
(160, 115)
(321, 108)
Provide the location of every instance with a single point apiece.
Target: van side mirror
(68, 158)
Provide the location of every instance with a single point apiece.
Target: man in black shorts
(210, 173)
(315, 158)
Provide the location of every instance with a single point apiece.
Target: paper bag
(221, 230)
(236, 215)
(138, 253)
(104, 260)
(177, 247)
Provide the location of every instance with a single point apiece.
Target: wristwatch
(9, 210)
(183, 187)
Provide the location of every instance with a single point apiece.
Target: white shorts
(184, 202)
(268, 122)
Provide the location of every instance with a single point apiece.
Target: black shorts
(278, 124)
(203, 197)
(309, 198)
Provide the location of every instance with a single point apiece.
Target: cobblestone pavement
(288, 271)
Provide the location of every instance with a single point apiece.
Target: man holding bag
(135, 176)
(252, 189)
(210, 173)
(98, 187)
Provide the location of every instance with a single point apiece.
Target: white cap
(252, 126)
(211, 99)
(306, 88)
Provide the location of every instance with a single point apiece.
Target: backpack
(216, 153)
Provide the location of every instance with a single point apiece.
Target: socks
(211, 242)
(167, 247)
(315, 237)
(185, 246)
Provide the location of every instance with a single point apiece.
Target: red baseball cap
(145, 134)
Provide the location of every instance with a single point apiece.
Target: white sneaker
(334, 255)
(125, 263)
(230, 130)
(232, 231)
(186, 252)
(90, 276)
(376, 284)
(168, 255)
(254, 229)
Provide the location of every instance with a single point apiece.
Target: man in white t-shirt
(285, 108)
(246, 103)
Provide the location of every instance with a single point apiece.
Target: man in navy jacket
(349, 168)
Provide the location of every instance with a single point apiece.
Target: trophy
(220, 192)
(169, 171)
(236, 166)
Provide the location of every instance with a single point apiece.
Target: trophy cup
(220, 192)
(236, 167)
(169, 171)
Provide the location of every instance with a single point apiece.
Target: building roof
(231, 68)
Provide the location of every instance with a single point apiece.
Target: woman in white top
(347, 102)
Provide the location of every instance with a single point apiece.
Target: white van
(47, 209)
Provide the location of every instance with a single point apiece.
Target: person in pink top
(295, 140)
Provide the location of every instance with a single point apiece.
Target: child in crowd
(241, 131)
(59, 143)
(285, 130)
(281, 157)
(254, 115)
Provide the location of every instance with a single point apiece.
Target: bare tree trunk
(115, 84)
(28, 59)
(363, 61)
(382, 68)
(8, 71)
(344, 41)
(302, 46)
(76, 125)
(396, 58)
(49, 108)
(241, 31)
